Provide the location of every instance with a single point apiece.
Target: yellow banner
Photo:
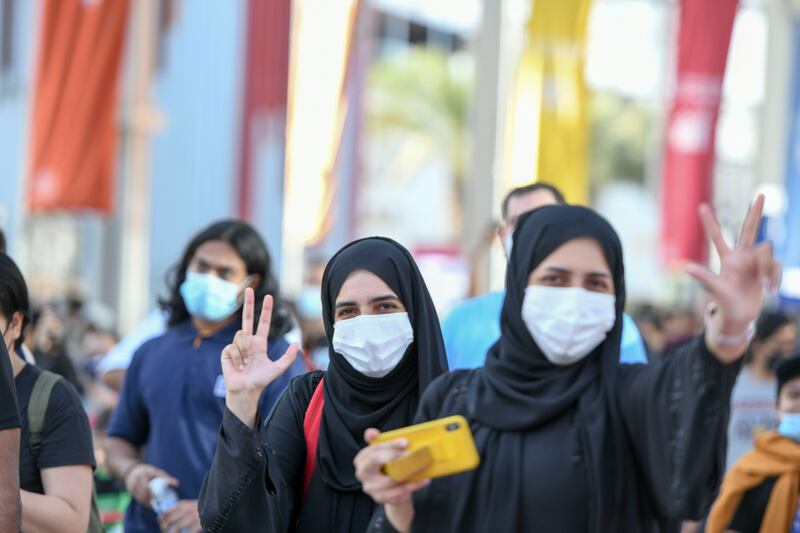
(547, 137)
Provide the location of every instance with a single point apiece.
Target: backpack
(37, 412)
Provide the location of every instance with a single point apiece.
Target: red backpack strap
(311, 423)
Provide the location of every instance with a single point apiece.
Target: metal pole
(128, 235)
(775, 110)
(479, 186)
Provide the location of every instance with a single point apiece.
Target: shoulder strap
(95, 518)
(311, 423)
(37, 413)
(37, 407)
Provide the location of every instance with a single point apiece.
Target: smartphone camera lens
(452, 427)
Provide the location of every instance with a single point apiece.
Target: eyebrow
(205, 262)
(562, 270)
(377, 299)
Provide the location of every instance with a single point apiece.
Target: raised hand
(747, 271)
(245, 364)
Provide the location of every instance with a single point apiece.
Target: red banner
(265, 89)
(705, 33)
(74, 126)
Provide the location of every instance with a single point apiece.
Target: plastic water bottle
(163, 497)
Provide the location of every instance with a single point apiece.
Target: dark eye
(345, 312)
(598, 285)
(387, 306)
(200, 267)
(552, 279)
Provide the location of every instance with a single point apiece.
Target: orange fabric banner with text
(74, 120)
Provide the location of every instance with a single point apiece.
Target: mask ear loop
(246, 282)
(242, 286)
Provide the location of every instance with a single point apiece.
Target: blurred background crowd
(128, 126)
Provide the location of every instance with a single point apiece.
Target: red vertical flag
(704, 38)
(265, 87)
(74, 126)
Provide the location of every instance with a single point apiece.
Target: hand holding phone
(435, 449)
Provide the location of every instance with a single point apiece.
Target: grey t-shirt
(752, 411)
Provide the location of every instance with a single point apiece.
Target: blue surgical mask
(790, 426)
(208, 297)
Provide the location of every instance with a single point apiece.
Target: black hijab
(353, 401)
(519, 390)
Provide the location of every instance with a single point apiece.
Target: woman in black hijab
(569, 439)
(386, 347)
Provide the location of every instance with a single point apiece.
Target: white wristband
(730, 341)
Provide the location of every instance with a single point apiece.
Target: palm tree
(424, 94)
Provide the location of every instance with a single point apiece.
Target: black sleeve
(66, 435)
(255, 475)
(676, 415)
(9, 412)
(438, 397)
(752, 507)
(379, 523)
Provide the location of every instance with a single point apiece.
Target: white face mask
(373, 344)
(567, 323)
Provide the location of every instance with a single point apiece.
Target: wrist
(244, 406)
(400, 515)
(727, 333)
(126, 473)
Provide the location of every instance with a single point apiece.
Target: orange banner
(74, 124)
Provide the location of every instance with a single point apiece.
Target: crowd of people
(230, 408)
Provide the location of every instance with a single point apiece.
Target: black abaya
(256, 480)
(594, 446)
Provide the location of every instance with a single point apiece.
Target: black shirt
(9, 415)
(66, 436)
(751, 509)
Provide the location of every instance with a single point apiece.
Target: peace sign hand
(245, 365)
(747, 270)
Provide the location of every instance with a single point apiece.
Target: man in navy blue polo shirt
(173, 398)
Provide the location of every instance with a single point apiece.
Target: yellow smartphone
(442, 447)
(410, 464)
